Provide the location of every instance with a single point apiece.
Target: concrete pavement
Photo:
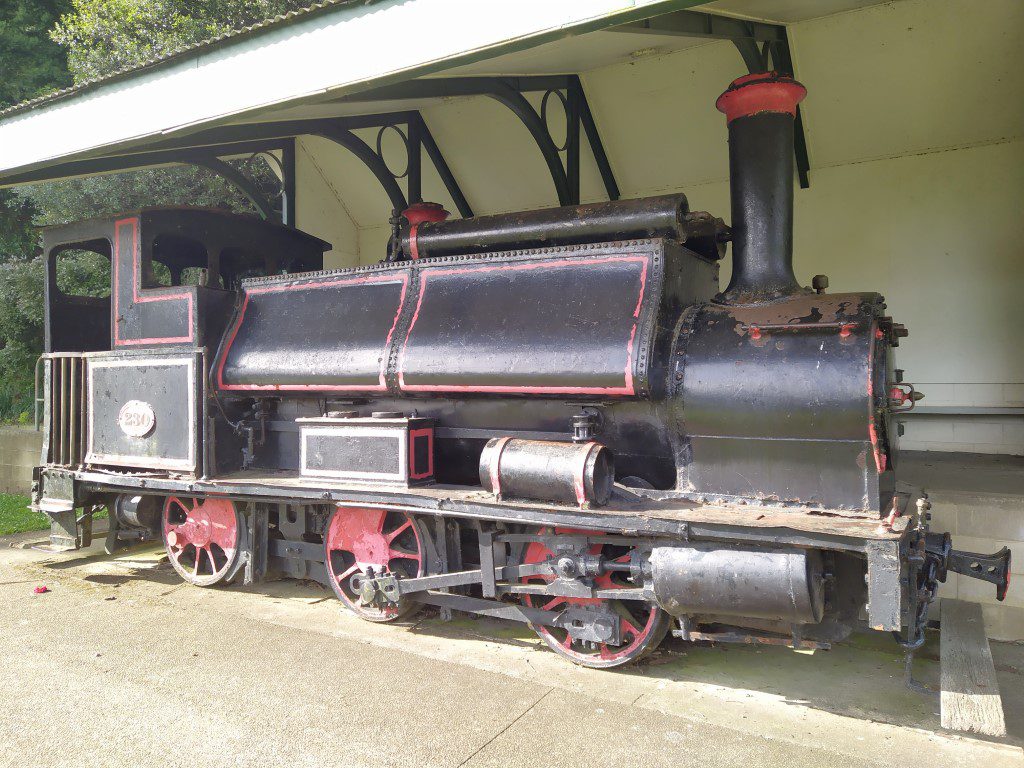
(122, 665)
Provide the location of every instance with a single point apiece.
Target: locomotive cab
(124, 361)
(170, 272)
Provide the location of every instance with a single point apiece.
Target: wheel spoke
(367, 536)
(640, 631)
(198, 553)
(398, 554)
(629, 626)
(222, 536)
(348, 572)
(213, 562)
(399, 530)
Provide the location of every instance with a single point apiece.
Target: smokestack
(760, 110)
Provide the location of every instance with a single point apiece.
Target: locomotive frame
(754, 497)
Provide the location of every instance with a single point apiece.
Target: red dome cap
(759, 93)
(417, 213)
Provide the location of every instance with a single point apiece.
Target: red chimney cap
(763, 92)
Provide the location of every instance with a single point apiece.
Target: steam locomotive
(553, 417)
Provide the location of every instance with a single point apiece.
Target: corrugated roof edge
(213, 42)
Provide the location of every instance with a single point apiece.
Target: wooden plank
(970, 692)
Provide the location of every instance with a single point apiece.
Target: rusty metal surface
(681, 517)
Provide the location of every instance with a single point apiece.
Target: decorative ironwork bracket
(264, 203)
(567, 89)
(410, 127)
(417, 139)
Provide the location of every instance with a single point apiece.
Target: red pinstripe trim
(414, 249)
(328, 283)
(579, 483)
(413, 434)
(137, 286)
(881, 460)
(499, 448)
(626, 389)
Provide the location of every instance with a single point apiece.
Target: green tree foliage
(30, 65)
(75, 199)
(44, 45)
(30, 62)
(21, 329)
(103, 36)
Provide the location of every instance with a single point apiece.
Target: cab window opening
(83, 269)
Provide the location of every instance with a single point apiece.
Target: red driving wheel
(201, 538)
(359, 540)
(642, 625)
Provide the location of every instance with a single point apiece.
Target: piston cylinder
(137, 512)
(780, 584)
(548, 471)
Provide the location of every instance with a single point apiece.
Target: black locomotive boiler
(555, 417)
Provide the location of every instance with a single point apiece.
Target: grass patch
(16, 517)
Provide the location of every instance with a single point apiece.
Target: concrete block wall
(983, 523)
(20, 449)
(969, 434)
(979, 499)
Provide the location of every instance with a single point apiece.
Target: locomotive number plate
(136, 418)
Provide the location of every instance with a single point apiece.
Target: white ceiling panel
(496, 160)
(784, 11)
(580, 54)
(912, 76)
(658, 118)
